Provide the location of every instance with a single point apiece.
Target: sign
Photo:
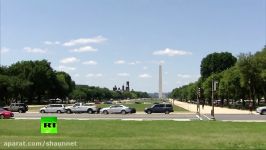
(49, 125)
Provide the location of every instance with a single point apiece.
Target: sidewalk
(207, 109)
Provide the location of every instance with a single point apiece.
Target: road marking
(181, 119)
(207, 117)
(132, 119)
(243, 120)
(199, 117)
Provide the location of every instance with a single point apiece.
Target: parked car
(53, 108)
(160, 108)
(116, 109)
(108, 102)
(81, 108)
(261, 110)
(17, 107)
(5, 113)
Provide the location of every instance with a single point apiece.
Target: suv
(159, 108)
(17, 107)
(53, 108)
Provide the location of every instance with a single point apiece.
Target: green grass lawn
(114, 134)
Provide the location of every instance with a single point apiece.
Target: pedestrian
(250, 107)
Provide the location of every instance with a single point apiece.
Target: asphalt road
(138, 116)
(236, 117)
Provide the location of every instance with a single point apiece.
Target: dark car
(160, 108)
(5, 114)
(17, 107)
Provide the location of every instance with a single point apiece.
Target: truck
(17, 107)
(81, 108)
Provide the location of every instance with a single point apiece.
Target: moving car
(81, 108)
(53, 108)
(17, 107)
(160, 108)
(5, 113)
(261, 110)
(116, 109)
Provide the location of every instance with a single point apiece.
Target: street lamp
(198, 101)
(214, 87)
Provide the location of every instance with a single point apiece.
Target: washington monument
(160, 82)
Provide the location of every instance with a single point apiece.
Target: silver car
(53, 108)
(115, 109)
(261, 110)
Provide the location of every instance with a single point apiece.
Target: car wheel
(167, 112)
(149, 112)
(90, 111)
(263, 112)
(68, 111)
(123, 112)
(2, 117)
(42, 111)
(105, 112)
(20, 111)
(59, 112)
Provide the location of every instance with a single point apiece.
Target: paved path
(207, 109)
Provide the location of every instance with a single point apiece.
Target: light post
(214, 87)
(198, 101)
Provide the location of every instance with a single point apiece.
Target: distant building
(115, 88)
(123, 88)
(127, 86)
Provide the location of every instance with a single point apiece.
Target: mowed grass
(116, 134)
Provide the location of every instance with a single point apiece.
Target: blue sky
(108, 42)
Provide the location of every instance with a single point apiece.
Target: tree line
(242, 78)
(36, 81)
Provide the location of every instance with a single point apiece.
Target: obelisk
(160, 82)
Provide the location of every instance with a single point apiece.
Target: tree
(215, 63)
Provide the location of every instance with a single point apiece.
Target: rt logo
(49, 125)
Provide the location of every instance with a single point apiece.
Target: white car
(261, 110)
(116, 109)
(82, 108)
(53, 108)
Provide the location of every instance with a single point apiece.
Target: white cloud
(135, 62)
(66, 68)
(120, 62)
(85, 49)
(69, 60)
(145, 75)
(4, 50)
(81, 41)
(123, 74)
(171, 52)
(94, 75)
(145, 68)
(35, 50)
(90, 62)
(51, 43)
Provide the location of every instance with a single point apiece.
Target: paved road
(177, 117)
(236, 117)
